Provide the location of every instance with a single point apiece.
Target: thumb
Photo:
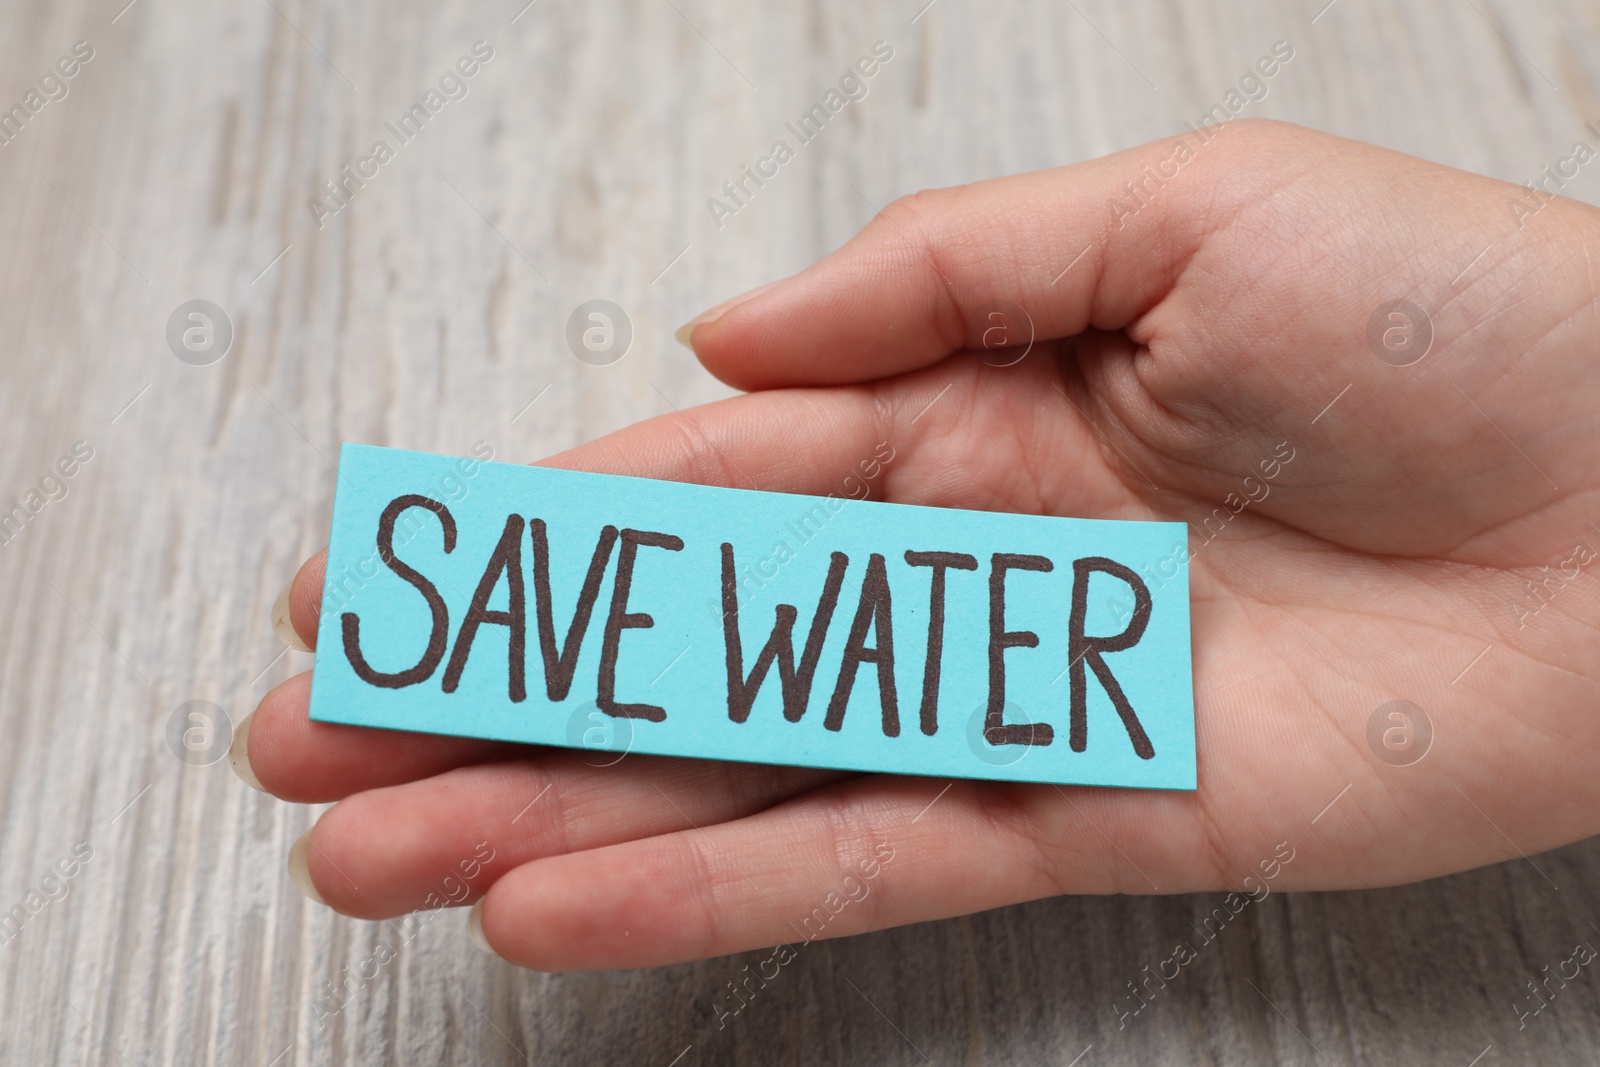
(1032, 257)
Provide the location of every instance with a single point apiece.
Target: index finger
(927, 276)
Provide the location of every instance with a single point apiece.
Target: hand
(1428, 538)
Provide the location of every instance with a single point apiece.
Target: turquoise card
(623, 615)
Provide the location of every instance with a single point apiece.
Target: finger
(927, 276)
(802, 441)
(280, 750)
(445, 840)
(862, 855)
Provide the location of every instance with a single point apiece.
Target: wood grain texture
(427, 314)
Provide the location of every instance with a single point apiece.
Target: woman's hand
(1202, 313)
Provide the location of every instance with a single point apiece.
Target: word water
(563, 608)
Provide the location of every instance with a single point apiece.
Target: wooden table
(428, 310)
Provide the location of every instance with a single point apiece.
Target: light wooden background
(427, 314)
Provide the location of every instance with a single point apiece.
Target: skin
(1214, 323)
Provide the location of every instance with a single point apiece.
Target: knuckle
(852, 832)
(700, 459)
(1214, 854)
(919, 208)
(917, 223)
(713, 899)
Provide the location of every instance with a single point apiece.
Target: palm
(1383, 560)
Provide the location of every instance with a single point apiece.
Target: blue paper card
(629, 615)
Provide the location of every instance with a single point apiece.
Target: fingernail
(282, 626)
(300, 869)
(685, 334)
(239, 754)
(475, 930)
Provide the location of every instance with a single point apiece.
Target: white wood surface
(427, 314)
